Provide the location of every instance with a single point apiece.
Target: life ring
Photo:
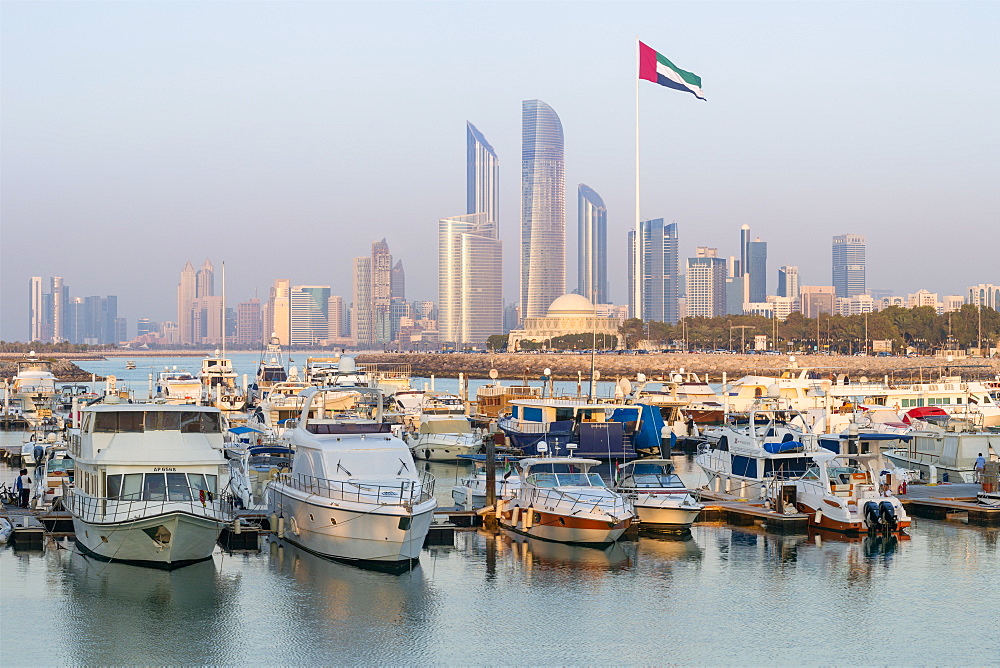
(902, 488)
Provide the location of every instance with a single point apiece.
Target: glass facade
(543, 209)
(361, 313)
(788, 281)
(659, 268)
(757, 268)
(706, 287)
(592, 254)
(470, 297)
(310, 323)
(482, 179)
(849, 265)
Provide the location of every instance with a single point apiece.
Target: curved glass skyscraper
(543, 209)
(592, 253)
(482, 177)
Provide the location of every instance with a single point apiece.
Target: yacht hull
(832, 520)
(167, 541)
(349, 531)
(443, 452)
(664, 517)
(560, 528)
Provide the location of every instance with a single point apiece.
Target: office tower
(186, 291)
(310, 323)
(592, 241)
(470, 298)
(120, 330)
(849, 265)
(381, 269)
(60, 295)
(482, 177)
(398, 289)
(984, 294)
(658, 270)
(788, 281)
(278, 317)
(144, 327)
(336, 318)
(205, 281)
(757, 268)
(743, 267)
(706, 285)
(35, 321)
(734, 287)
(543, 209)
(97, 321)
(249, 324)
(816, 299)
(206, 320)
(75, 320)
(361, 295)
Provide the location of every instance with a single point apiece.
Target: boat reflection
(548, 555)
(193, 589)
(669, 547)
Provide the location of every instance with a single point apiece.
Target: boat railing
(403, 493)
(102, 510)
(579, 501)
(529, 427)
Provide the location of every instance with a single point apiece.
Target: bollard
(932, 475)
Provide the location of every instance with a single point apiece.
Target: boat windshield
(63, 464)
(657, 480)
(566, 480)
(842, 474)
(812, 473)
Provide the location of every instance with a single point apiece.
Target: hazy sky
(285, 137)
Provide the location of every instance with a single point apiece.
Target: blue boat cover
(244, 430)
(777, 448)
(650, 428)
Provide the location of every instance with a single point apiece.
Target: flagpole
(637, 252)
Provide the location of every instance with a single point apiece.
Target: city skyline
(828, 154)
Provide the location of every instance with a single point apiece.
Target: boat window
(651, 469)
(64, 464)
(513, 411)
(88, 422)
(543, 480)
(154, 487)
(200, 423)
(197, 481)
(532, 414)
(177, 487)
(131, 487)
(811, 474)
(130, 421)
(114, 483)
(210, 479)
(163, 421)
(566, 414)
(652, 480)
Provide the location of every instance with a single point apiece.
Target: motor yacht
(950, 445)
(561, 500)
(148, 483)
(470, 492)
(270, 370)
(54, 475)
(354, 492)
(218, 384)
(444, 439)
(177, 387)
(252, 466)
(33, 388)
(659, 496)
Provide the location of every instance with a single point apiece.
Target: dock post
(490, 519)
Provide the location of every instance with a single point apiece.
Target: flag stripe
(692, 79)
(655, 67)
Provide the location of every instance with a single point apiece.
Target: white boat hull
(190, 539)
(351, 531)
(656, 516)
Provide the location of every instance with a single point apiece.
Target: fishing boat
(148, 483)
(659, 496)
(561, 500)
(354, 492)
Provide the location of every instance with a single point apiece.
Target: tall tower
(706, 285)
(543, 209)
(35, 321)
(658, 270)
(470, 298)
(788, 281)
(308, 308)
(205, 281)
(381, 292)
(592, 252)
(757, 268)
(361, 313)
(186, 291)
(60, 296)
(482, 178)
(278, 321)
(849, 265)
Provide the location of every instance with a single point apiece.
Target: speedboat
(754, 448)
(444, 439)
(659, 496)
(470, 492)
(561, 500)
(251, 467)
(354, 492)
(148, 483)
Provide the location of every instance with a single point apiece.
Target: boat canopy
(244, 430)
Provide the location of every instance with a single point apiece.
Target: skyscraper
(757, 268)
(658, 269)
(482, 177)
(336, 318)
(381, 292)
(205, 281)
(361, 295)
(278, 317)
(249, 326)
(60, 297)
(788, 281)
(849, 265)
(592, 240)
(35, 321)
(706, 285)
(309, 315)
(186, 291)
(543, 209)
(470, 298)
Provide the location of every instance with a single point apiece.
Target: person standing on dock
(39, 454)
(980, 467)
(23, 486)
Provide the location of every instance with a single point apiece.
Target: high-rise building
(145, 327)
(757, 268)
(361, 295)
(381, 292)
(278, 315)
(60, 296)
(788, 281)
(186, 292)
(706, 286)
(398, 281)
(205, 281)
(543, 209)
(35, 320)
(482, 177)
(338, 328)
(207, 320)
(310, 323)
(849, 265)
(984, 294)
(470, 298)
(592, 251)
(816, 299)
(120, 330)
(742, 268)
(658, 270)
(249, 324)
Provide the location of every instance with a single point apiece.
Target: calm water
(721, 596)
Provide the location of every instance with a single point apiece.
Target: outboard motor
(873, 515)
(888, 515)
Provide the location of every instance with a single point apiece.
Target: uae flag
(657, 68)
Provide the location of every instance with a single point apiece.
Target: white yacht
(660, 497)
(33, 388)
(354, 492)
(754, 448)
(444, 439)
(470, 492)
(251, 467)
(951, 447)
(148, 482)
(218, 384)
(561, 500)
(53, 477)
(177, 387)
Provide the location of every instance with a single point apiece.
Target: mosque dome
(571, 305)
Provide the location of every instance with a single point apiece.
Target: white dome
(570, 305)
